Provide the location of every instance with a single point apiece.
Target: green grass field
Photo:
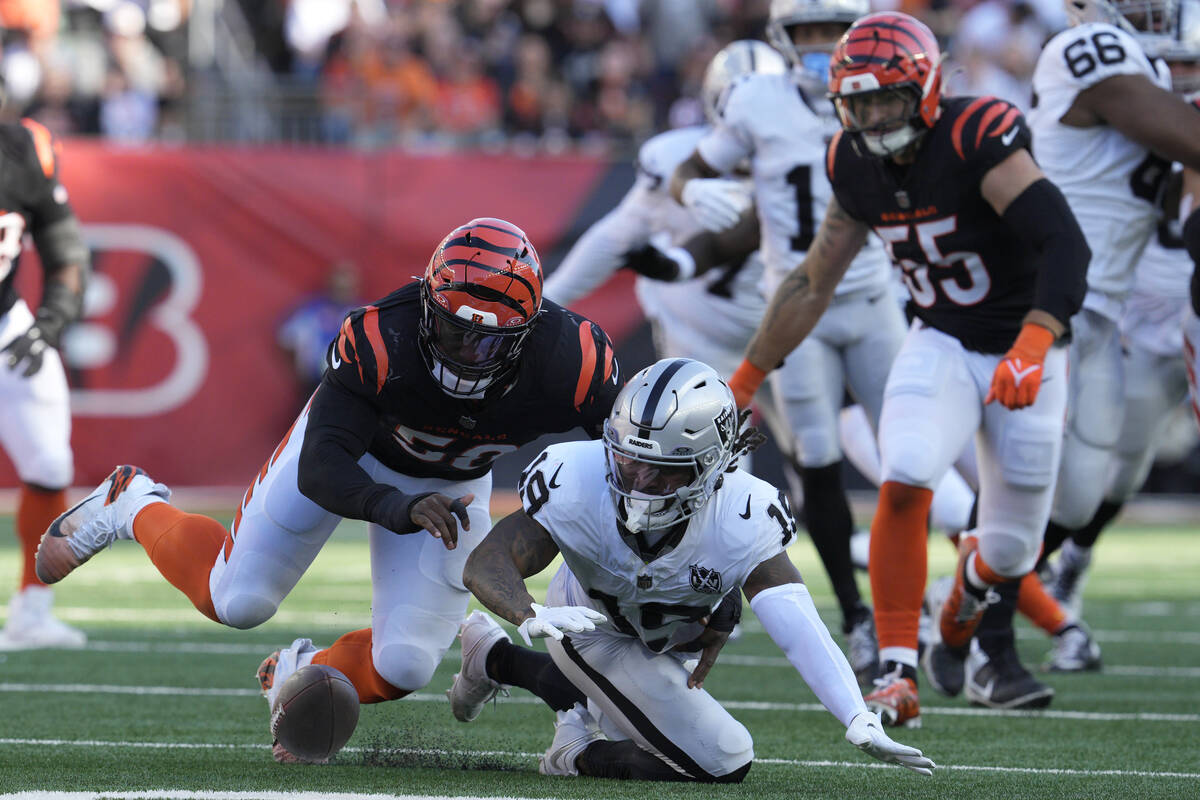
(164, 703)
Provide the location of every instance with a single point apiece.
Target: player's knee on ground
(1011, 554)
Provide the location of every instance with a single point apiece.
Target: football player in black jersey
(425, 390)
(995, 263)
(35, 414)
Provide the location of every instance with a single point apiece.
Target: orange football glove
(745, 382)
(1018, 376)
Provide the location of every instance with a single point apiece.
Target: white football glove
(716, 203)
(866, 733)
(556, 619)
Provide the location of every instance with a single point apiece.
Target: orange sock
(351, 654)
(183, 548)
(36, 509)
(1036, 603)
(986, 573)
(899, 562)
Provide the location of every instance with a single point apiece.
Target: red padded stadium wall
(200, 253)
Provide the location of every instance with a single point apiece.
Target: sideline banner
(200, 253)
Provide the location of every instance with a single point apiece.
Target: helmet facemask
(887, 120)
(466, 354)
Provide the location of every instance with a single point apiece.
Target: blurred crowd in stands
(542, 76)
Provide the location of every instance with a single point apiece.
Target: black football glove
(651, 262)
(25, 353)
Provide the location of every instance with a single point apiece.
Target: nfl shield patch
(705, 579)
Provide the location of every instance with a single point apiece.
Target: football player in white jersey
(1103, 120)
(657, 527)
(710, 318)
(1152, 339)
(781, 123)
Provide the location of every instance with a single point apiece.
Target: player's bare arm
(775, 571)
(806, 292)
(517, 547)
(1153, 117)
(693, 167)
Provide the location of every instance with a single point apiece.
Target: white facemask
(451, 383)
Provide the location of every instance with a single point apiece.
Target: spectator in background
(306, 333)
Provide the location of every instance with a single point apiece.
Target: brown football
(315, 712)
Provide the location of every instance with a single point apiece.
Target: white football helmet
(733, 61)
(669, 439)
(811, 63)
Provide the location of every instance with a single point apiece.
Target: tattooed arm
(517, 547)
(806, 291)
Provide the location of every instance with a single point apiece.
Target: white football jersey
(726, 302)
(746, 522)
(1109, 181)
(766, 119)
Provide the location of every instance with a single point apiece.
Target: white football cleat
(96, 522)
(31, 625)
(272, 672)
(277, 667)
(573, 732)
(472, 688)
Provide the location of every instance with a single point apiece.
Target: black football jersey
(566, 378)
(30, 195)
(967, 274)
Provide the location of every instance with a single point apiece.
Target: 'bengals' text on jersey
(566, 377)
(967, 275)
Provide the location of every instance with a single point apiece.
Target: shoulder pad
(359, 349)
(988, 125)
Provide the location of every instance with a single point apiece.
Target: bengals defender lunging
(35, 414)
(425, 390)
(994, 263)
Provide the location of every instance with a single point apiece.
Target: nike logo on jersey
(746, 514)
(1007, 138)
(334, 361)
(554, 484)
(1018, 372)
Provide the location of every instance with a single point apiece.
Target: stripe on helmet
(656, 393)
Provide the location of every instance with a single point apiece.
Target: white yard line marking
(522, 755)
(737, 705)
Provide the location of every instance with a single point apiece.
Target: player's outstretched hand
(436, 513)
(554, 620)
(716, 203)
(866, 733)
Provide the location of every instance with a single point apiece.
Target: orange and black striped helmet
(480, 296)
(887, 52)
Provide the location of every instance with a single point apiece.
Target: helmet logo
(641, 444)
(724, 423)
(477, 316)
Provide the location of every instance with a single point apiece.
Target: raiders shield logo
(705, 579)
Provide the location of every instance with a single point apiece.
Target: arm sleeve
(339, 430)
(599, 378)
(1041, 218)
(790, 618)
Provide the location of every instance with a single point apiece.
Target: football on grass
(315, 712)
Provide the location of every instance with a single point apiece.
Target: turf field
(163, 703)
